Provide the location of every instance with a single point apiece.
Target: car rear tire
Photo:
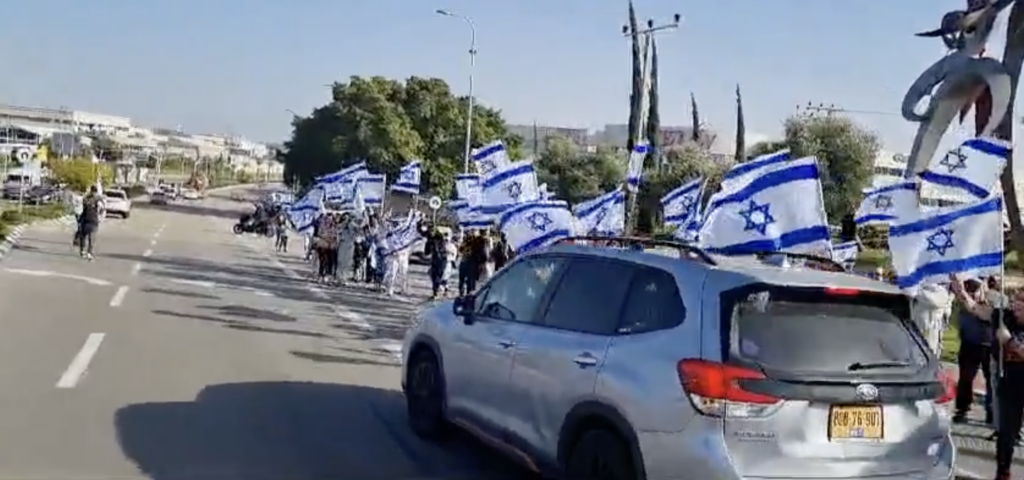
(600, 455)
(424, 396)
(237, 229)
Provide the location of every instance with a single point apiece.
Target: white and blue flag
(635, 164)
(490, 157)
(845, 253)
(965, 239)
(336, 185)
(779, 209)
(469, 216)
(304, 212)
(604, 215)
(744, 172)
(683, 204)
(536, 224)
(467, 187)
(883, 205)
(975, 166)
(371, 187)
(508, 186)
(400, 236)
(409, 178)
(543, 192)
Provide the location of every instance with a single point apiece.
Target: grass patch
(871, 259)
(951, 341)
(28, 213)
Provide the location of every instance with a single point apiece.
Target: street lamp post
(472, 66)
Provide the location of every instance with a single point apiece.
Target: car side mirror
(463, 307)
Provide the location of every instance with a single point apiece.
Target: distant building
(539, 134)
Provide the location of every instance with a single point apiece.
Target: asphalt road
(185, 352)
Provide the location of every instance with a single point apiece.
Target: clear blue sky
(235, 66)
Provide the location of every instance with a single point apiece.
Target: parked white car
(189, 194)
(117, 203)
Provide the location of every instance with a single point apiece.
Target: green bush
(12, 217)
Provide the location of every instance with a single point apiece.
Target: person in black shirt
(1009, 340)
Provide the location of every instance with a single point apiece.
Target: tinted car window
(589, 296)
(518, 291)
(817, 332)
(653, 302)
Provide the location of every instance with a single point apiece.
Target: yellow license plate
(855, 422)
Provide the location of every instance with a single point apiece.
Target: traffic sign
(434, 203)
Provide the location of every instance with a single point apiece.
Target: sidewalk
(972, 438)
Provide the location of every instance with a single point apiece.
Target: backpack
(91, 209)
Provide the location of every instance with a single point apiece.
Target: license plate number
(855, 422)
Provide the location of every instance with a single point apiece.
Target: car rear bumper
(685, 455)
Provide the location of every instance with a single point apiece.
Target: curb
(15, 235)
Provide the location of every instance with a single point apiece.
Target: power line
(829, 109)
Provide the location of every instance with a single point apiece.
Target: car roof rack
(814, 262)
(686, 251)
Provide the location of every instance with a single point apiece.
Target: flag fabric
(964, 239)
(371, 188)
(490, 157)
(409, 178)
(974, 166)
(635, 167)
(336, 185)
(887, 203)
(603, 215)
(543, 192)
(780, 209)
(400, 236)
(508, 186)
(467, 187)
(531, 225)
(469, 216)
(683, 204)
(743, 172)
(845, 252)
(304, 212)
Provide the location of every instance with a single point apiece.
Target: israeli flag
(532, 225)
(336, 185)
(683, 204)
(635, 166)
(467, 186)
(887, 203)
(371, 187)
(845, 253)
(965, 239)
(304, 212)
(399, 237)
(688, 231)
(544, 193)
(975, 166)
(490, 157)
(781, 209)
(603, 215)
(409, 178)
(508, 186)
(469, 217)
(743, 172)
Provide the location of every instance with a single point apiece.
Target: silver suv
(655, 362)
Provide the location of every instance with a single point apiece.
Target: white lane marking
(209, 285)
(194, 283)
(157, 234)
(118, 297)
(46, 273)
(152, 242)
(76, 370)
(147, 253)
(136, 268)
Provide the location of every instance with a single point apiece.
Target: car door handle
(585, 360)
(506, 344)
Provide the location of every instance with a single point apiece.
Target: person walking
(281, 232)
(93, 209)
(1009, 342)
(439, 262)
(975, 353)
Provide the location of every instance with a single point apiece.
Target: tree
(637, 80)
(766, 147)
(653, 114)
(79, 174)
(846, 153)
(574, 176)
(680, 165)
(388, 123)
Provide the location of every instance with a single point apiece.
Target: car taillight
(948, 382)
(714, 390)
(841, 291)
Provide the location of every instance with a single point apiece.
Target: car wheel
(600, 455)
(424, 396)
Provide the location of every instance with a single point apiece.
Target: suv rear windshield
(816, 331)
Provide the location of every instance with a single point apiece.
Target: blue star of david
(940, 241)
(408, 176)
(599, 219)
(514, 190)
(883, 202)
(539, 221)
(486, 166)
(757, 217)
(954, 160)
(687, 204)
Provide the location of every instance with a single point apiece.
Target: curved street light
(472, 66)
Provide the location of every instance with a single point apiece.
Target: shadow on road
(293, 430)
(279, 331)
(249, 312)
(192, 316)
(345, 359)
(180, 293)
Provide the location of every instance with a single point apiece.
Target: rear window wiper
(872, 365)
